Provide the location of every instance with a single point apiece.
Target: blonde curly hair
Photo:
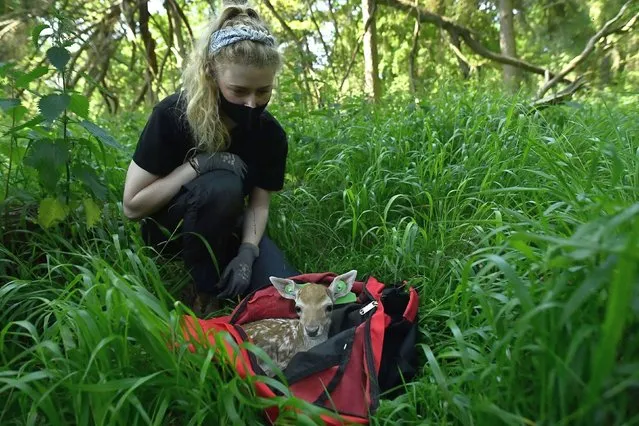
(200, 89)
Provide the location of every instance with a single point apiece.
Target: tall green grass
(519, 230)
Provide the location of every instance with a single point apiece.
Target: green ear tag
(349, 297)
(290, 289)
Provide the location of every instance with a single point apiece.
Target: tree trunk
(412, 72)
(149, 47)
(507, 43)
(371, 61)
(174, 19)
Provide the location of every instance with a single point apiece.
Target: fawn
(282, 338)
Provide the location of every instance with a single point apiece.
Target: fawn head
(314, 302)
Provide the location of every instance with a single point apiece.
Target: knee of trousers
(222, 195)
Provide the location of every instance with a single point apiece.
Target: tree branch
(368, 23)
(328, 52)
(455, 46)
(626, 28)
(181, 52)
(11, 25)
(111, 100)
(335, 26)
(295, 39)
(96, 44)
(560, 97)
(590, 46)
(147, 38)
(142, 94)
(468, 36)
(169, 47)
(183, 17)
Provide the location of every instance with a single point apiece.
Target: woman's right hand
(145, 193)
(221, 160)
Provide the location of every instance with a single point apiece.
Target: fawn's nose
(312, 332)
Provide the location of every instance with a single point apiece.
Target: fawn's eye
(329, 308)
(298, 310)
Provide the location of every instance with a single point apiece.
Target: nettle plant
(49, 137)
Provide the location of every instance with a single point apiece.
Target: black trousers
(203, 225)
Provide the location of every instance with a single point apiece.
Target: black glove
(205, 162)
(236, 277)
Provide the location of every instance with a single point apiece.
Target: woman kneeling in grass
(207, 148)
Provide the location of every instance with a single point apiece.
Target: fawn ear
(342, 284)
(287, 288)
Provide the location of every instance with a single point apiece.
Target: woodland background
(485, 151)
(126, 55)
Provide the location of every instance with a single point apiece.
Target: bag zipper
(366, 309)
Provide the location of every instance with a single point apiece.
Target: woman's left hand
(236, 277)
(220, 160)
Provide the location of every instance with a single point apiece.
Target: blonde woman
(209, 158)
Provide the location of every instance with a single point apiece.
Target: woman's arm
(256, 216)
(145, 193)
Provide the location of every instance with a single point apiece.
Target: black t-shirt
(166, 142)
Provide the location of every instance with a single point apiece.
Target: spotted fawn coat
(282, 338)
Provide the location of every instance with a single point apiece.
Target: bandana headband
(230, 35)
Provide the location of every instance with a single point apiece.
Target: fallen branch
(559, 97)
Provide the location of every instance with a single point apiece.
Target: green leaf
(29, 124)
(35, 33)
(14, 109)
(34, 74)
(6, 69)
(519, 286)
(101, 134)
(524, 248)
(91, 180)
(92, 211)
(51, 211)
(618, 313)
(8, 104)
(79, 105)
(51, 106)
(592, 282)
(47, 158)
(59, 57)
(19, 112)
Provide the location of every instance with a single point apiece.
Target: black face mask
(243, 116)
